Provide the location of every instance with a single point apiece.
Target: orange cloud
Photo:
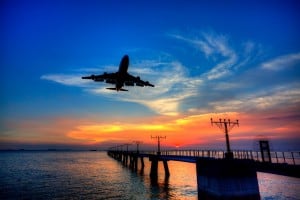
(181, 131)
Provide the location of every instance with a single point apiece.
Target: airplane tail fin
(116, 89)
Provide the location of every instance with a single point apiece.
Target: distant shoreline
(48, 150)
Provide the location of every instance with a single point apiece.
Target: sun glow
(180, 131)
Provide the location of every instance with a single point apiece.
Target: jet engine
(139, 84)
(129, 83)
(98, 79)
(111, 81)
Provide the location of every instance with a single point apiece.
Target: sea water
(94, 175)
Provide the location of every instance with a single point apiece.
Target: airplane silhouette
(120, 78)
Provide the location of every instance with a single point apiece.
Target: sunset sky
(207, 59)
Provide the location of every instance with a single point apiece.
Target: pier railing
(289, 157)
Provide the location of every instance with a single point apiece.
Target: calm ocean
(94, 175)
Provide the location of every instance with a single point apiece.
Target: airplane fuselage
(123, 67)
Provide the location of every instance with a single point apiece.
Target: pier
(221, 175)
(218, 177)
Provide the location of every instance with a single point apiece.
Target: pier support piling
(135, 165)
(142, 163)
(227, 179)
(166, 167)
(154, 166)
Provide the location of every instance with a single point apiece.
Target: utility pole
(158, 142)
(137, 145)
(226, 126)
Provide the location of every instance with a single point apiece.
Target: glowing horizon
(193, 131)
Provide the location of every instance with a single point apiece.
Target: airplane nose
(126, 57)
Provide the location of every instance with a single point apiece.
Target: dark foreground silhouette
(120, 78)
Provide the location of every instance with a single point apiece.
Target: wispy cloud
(66, 79)
(219, 93)
(282, 62)
(213, 45)
(174, 85)
(264, 100)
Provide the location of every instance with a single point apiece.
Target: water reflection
(94, 175)
(48, 175)
(181, 184)
(277, 187)
(160, 190)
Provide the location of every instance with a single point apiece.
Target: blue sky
(204, 57)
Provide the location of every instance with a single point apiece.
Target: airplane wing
(130, 80)
(108, 77)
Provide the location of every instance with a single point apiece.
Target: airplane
(120, 78)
